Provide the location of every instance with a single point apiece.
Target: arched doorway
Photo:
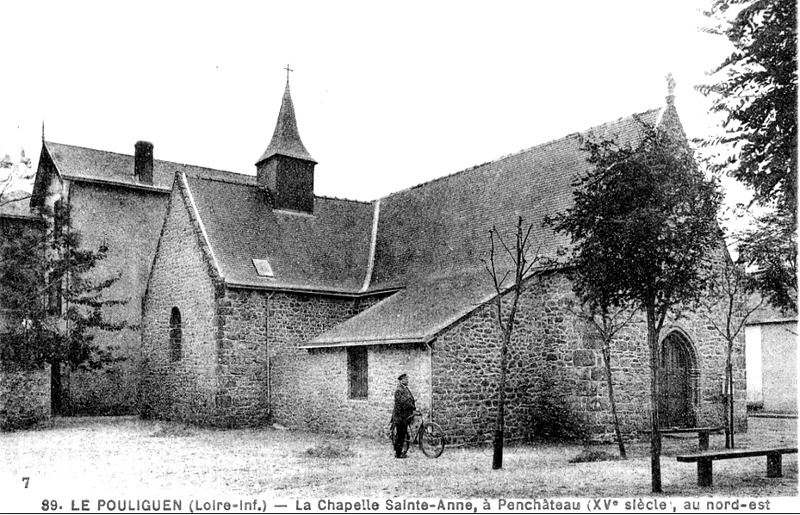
(677, 381)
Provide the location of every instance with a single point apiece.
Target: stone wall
(556, 375)
(188, 388)
(242, 364)
(127, 221)
(266, 373)
(325, 399)
(24, 396)
(251, 368)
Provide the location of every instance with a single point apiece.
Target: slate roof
(431, 238)
(414, 314)
(79, 163)
(286, 138)
(327, 251)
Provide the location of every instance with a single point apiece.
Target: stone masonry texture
(242, 363)
(556, 373)
(185, 389)
(256, 371)
(261, 333)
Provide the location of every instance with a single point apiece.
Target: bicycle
(429, 436)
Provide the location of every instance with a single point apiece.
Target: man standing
(404, 407)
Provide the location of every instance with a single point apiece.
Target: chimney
(143, 162)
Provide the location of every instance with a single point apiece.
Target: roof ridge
(329, 197)
(220, 179)
(154, 159)
(519, 152)
(253, 185)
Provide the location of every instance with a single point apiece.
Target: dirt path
(122, 457)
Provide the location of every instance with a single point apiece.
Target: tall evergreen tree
(52, 303)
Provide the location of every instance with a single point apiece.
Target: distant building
(771, 353)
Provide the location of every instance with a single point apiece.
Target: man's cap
(401, 376)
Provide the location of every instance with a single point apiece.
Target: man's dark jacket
(404, 405)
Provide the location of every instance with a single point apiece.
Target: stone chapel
(254, 300)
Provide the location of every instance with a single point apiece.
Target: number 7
(26, 480)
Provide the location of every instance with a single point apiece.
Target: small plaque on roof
(263, 268)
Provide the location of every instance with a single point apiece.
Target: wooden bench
(705, 459)
(702, 433)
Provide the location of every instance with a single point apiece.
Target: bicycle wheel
(431, 440)
(393, 435)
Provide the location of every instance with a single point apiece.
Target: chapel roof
(427, 241)
(80, 163)
(324, 252)
(431, 238)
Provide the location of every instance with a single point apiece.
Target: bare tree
(726, 308)
(522, 264)
(14, 172)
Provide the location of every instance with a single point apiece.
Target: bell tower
(286, 169)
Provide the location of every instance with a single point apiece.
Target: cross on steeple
(287, 72)
(670, 84)
(670, 88)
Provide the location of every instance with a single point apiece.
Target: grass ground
(124, 456)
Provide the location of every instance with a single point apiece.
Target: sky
(387, 94)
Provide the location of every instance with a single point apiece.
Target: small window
(175, 335)
(262, 267)
(358, 372)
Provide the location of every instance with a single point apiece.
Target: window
(175, 335)
(357, 370)
(263, 268)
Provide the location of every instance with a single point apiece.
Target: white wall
(752, 352)
(779, 362)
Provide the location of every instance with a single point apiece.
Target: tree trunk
(497, 457)
(655, 435)
(607, 362)
(729, 422)
(729, 404)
